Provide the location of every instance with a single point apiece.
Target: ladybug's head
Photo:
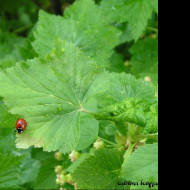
(19, 130)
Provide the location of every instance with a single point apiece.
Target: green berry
(58, 156)
(148, 79)
(61, 179)
(58, 169)
(69, 179)
(98, 144)
(74, 156)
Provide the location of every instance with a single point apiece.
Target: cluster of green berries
(62, 176)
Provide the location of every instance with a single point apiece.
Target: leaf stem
(153, 29)
(114, 144)
(128, 153)
(22, 29)
(86, 111)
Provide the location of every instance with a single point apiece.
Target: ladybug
(21, 125)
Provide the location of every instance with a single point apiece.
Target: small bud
(148, 79)
(98, 144)
(58, 169)
(58, 156)
(74, 156)
(127, 64)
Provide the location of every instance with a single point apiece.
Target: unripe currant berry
(58, 169)
(74, 156)
(61, 179)
(98, 144)
(58, 156)
(69, 179)
(148, 79)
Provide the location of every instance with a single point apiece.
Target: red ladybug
(21, 125)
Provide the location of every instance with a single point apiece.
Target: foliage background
(120, 36)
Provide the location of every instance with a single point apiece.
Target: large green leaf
(7, 140)
(9, 49)
(46, 178)
(14, 48)
(50, 94)
(7, 120)
(142, 164)
(29, 172)
(135, 12)
(9, 171)
(145, 57)
(124, 86)
(133, 110)
(18, 16)
(82, 25)
(100, 171)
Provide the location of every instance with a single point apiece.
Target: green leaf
(144, 57)
(117, 64)
(14, 48)
(29, 172)
(100, 171)
(142, 164)
(50, 94)
(132, 110)
(135, 12)
(77, 163)
(7, 120)
(18, 16)
(9, 49)
(88, 132)
(83, 25)
(152, 120)
(154, 4)
(7, 140)
(47, 177)
(9, 171)
(124, 86)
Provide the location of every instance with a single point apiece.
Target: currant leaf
(123, 86)
(102, 170)
(82, 25)
(10, 171)
(50, 94)
(135, 12)
(145, 57)
(132, 110)
(142, 164)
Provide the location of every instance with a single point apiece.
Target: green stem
(114, 144)
(153, 29)
(128, 153)
(86, 111)
(20, 29)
